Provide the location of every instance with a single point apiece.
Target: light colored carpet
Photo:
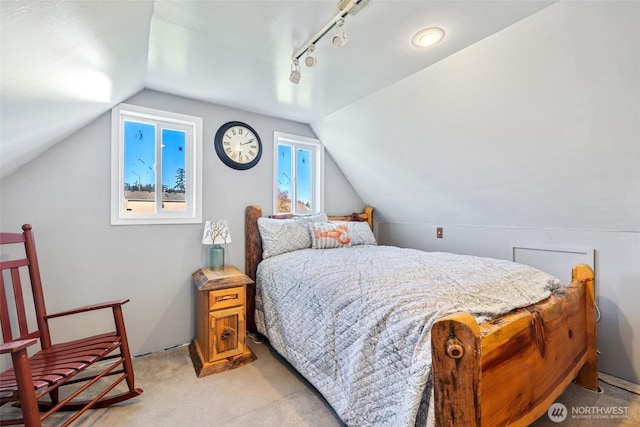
(268, 392)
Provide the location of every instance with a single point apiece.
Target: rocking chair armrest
(86, 308)
(15, 346)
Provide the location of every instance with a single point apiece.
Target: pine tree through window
(156, 157)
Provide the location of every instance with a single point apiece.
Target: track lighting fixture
(336, 27)
(339, 37)
(294, 77)
(311, 60)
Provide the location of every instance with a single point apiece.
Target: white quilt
(356, 321)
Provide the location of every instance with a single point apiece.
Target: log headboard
(253, 246)
(253, 242)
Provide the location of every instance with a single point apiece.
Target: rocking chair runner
(55, 365)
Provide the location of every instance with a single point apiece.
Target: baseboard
(619, 382)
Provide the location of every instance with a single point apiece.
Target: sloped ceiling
(537, 126)
(63, 65)
(66, 62)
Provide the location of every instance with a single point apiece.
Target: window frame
(312, 144)
(193, 166)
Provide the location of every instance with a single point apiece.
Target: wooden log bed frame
(507, 371)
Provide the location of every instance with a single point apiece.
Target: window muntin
(156, 173)
(299, 166)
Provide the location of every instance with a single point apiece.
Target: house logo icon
(557, 412)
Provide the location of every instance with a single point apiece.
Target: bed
(367, 342)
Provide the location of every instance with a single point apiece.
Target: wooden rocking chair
(43, 373)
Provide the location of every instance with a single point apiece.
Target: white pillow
(286, 235)
(317, 217)
(361, 233)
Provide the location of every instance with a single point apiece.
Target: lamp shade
(216, 232)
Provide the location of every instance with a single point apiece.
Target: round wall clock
(238, 145)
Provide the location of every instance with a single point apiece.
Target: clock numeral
(253, 146)
(228, 150)
(226, 143)
(252, 153)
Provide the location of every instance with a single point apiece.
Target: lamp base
(216, 257)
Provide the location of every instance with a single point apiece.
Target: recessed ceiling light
(428, 37)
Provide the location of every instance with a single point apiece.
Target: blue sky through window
(284, 169)
(303, 171)
(140, 154)
(303, 167)
(173, 156)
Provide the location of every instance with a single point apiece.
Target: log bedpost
(252, 256)
(456, 365)
(588, 374)
(252, 241)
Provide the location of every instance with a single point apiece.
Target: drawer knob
(226, 334)
(455, 349)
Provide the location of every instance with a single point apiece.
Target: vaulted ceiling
(63, 63)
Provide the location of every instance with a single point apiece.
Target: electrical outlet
(439, 232)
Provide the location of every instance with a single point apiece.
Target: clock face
(238, 145)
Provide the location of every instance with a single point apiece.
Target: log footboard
(510, 370)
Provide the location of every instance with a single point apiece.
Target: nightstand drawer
(224, 298)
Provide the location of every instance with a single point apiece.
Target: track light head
(339, 37)
(294, 77)
(311, 60)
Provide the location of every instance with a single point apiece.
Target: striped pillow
(327, 235)
(359, 232)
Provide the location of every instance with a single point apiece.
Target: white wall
(617, 269)
(532, 132)
(65, 194)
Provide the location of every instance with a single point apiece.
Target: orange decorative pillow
(326, 235)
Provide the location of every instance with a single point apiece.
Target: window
(156, 175)
(298, 166)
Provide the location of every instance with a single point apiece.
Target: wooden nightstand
(220, 321)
